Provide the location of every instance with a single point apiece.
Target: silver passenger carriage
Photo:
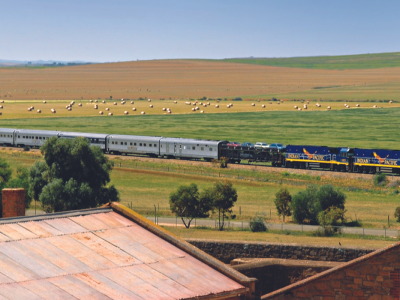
(95, 139)
(7, 136)
(133, 144)
(32, 138)
(190, 148)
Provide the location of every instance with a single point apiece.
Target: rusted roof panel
(77, 288)
(90, 222)
(98, 256)
(46, 290)
(65, 225)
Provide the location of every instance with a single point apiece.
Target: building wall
(374, 277)
(227, 251)
(13, 202)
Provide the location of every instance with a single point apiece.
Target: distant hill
(4, 62)
(360, 61)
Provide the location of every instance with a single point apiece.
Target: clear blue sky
(122, 30)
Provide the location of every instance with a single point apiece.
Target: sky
(126, 30)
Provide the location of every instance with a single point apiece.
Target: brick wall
(374, 277)
(13, 202)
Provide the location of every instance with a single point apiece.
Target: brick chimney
(13, 203)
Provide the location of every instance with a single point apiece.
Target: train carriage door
(174, 148)
(180, 149)
(167, 148)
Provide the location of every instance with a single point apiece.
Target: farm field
(342, 62)
(185, 79)
(145, 184)
(358, 127)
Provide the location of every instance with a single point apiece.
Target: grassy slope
(361, 61)
(353, 128)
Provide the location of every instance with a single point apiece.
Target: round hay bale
(205, 105)
(202, 111)
(91, 100)
(44, 102)
(1, 113)
(104, 102)
(149, 100)
(374, 106)
(270, 102)
(164, 109)
(201, 103)
(328, 107)
(1, 101)
(115, 103)
(53, 111)
(228, 106)
(95, 101)
(69, 108)
(253, 104)
(168, 108)
(142, 113)
(193, 109)
(188, 103)
(96, 107)
(134, 109)
(391, 101)
(29, 109)
(175, 102)
(132, 102)
(80, 104)
(263, 106)
(299, 108)
(107, 108)
(357, 105)
(169, 112)
(126, 113)
(216, 106)
(296, 107)
(100, 112)
(305, 106)
(110, 113)
(39, 111)
(151, 105)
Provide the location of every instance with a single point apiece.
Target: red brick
(321, 286)
(358, 293)
(352, 273)
(335, 284)
(13, 202)
(357, 280)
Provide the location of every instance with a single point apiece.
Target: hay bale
(263, 106)
(39, 111)
(202, 111)
(134, 109)
(151, 105)
(328, 107)
(149, 100)
(228, 106)
(253, 104)
(95, 101)
(96, 106)
(110, 113)
(80, 104)
(296, 107)
(357, 105)
(44, 102)
(107, 108)
(126, 113)
(100, 112)
(69, 108)
(216, 106)
(115, 103)
(142, 113)
(91, 100)
(132, 102)
(175, 102)
(374, 106)
(164, 109)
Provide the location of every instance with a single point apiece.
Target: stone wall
(226, 251)
(374, 277)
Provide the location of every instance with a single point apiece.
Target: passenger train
(341, 159)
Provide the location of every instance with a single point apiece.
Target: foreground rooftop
(107, 253)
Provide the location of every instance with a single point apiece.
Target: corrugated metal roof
(99, 256)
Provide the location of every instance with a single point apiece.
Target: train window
(122, 143)
(193, 148)
(18, 136)
(125, 143)
(112, 142)
(134, 144)
(130, 143)
(144, 144)
(202, 148)
(155, 145)
(40, 137)
(150, 145)
(140, 144)
(210, 149)
(36, 138)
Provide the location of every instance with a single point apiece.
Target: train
(340, 159)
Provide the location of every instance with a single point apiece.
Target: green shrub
(397, 214)
(258, 223)
(380, 179)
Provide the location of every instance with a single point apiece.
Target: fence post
(363, 232)
(155, 214)
(385, 233)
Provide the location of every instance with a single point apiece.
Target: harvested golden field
(18, 109)
(185, 79)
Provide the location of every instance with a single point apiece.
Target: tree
(282, 201)
(329, 197)
(22, 181)
(330, 219)
(73, 175)
(306, 205)
(224, 196)
(187, 203)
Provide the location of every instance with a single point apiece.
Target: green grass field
(144, 184)
(375, 128)
(360, 61)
